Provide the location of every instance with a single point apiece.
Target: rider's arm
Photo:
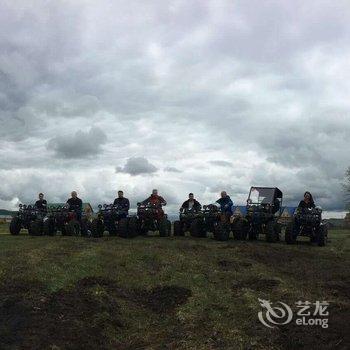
(162, 201)
(127, 204)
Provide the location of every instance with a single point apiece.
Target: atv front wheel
(123, 228)
(271, 233)
(163, 228)
(221, 232)
(197, 229)
(288, 235)
(15, 226)
(178, 231)
(322, 236)
(49, 227)
(253, 233)
(35, 228)
(97, 228)
(132, 227)
(240, 230)
(73, 228)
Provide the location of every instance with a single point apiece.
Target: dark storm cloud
(79, 145)
(137, 166)
(171, 169)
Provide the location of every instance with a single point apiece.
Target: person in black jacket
(226, 203)
(75, 204)
(307, 202)
(191, 203)
(122, 203)
(41, 203)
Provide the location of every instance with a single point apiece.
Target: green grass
(166, 293)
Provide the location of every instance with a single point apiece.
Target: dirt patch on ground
(340, 289)
(79, 318)
(164, 299)
(227, 265)
(336, 336)
(255, 284)
(85, 316)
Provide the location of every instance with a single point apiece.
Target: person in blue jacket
(226, 204)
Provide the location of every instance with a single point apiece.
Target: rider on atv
(75, 204)
(41, 203)
(190, 204)
(122, 203)
(226, 204)
(306, 203)
(156, 200)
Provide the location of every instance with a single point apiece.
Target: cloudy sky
(177, 95)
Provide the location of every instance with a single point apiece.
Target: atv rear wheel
(49, 227)
(97, 228)
(35, 228)
(271, 233)
(132, 227)
(163, 228)
(178, 231)
(169, 227)
(73, 228)
(197, 229)
(221, 231)
(15, 226)
(288, 235)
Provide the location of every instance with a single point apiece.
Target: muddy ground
(170, 293)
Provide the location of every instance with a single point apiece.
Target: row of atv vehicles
(71, 222)
(264, 208)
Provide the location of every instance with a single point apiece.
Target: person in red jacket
(156, 200)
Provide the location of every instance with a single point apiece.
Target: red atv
(68, 221)
(151, 217)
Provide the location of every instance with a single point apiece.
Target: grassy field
(167, 293)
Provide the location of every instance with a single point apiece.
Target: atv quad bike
(113, 218)
(307, 222)
(30, 218)
(191, 220)
(263, 211)
(67, 221)
(216, 222)
(150, 217)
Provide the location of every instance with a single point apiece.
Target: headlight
(100, 206)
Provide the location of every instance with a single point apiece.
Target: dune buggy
(114, 219)
(307, 222)
(150, 217)
(28, 217)
(263, 211)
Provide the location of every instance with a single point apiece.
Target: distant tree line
(347, 187)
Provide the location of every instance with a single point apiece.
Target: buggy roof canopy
(278, 192)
